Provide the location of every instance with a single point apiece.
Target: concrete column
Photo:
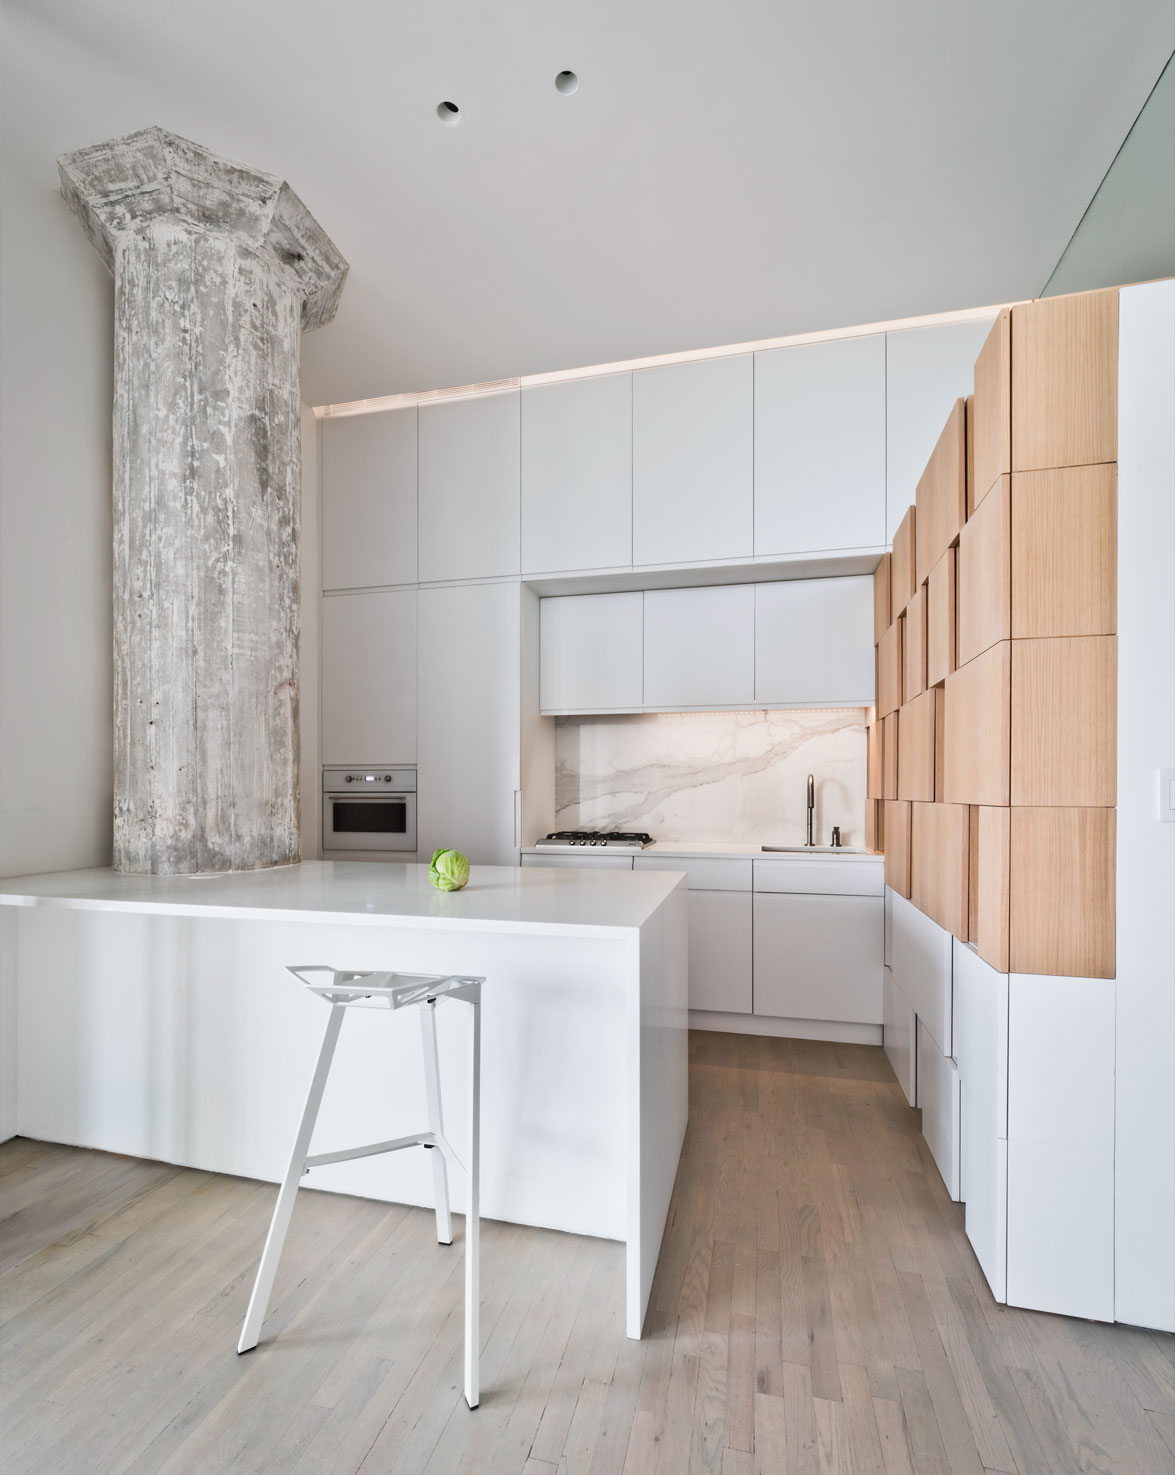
(218, 269)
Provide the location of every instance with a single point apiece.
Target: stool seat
(347, 989)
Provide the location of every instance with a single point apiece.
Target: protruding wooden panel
(973, 872)
(874, 824)
(873, 746)
(1065, 381)
(897, 846)
(942, 494)
(938, 864)
(903, 565)
(1065, 568)
(984, 574)
(889, 668)
(889, 756)
(977, 730)
(882, 605)
(914, 647)
(940, 744)
(916, 747)
(1061, 904)
(940, 619)
(992, 409)
(969, 427)
(989, 882)
(1065, 721)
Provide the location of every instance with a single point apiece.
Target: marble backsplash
(713, 776)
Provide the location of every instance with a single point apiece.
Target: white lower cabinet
(920, 956)
(981, 1054)
(899, 1025)
(938, 1091)
(579, 862)
(818, 957)
(983, 1186)
(720, 951)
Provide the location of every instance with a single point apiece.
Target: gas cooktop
(613, 839)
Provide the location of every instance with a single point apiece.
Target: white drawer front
(981, 1036)
(704, 875)
(898, 1022)
(720, 951)
(938, 1088)
(820, 877)
(582, 862)
(818, 957)
(983, 1184)
(922, 965)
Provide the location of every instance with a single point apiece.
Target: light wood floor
(817, 1307)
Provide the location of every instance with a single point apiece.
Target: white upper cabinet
(369, 677)
(590, 652)
(469, 487)
(814, 643)
(693, 461)
(577, 475)
(700, 646)
(820, 446)
(369, 500)
(927, 370)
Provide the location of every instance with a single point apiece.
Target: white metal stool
(344, 990)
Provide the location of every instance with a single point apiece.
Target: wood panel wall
(997, 673)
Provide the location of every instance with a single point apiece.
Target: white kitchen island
(155, 1018)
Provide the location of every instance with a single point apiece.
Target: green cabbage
(448, 870)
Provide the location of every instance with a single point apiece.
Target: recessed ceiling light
(566, 83)
(449, 114)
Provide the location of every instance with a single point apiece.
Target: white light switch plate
(1167, 794)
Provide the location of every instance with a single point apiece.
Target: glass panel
(359, 817)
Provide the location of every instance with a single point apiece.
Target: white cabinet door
(720, 951)
(980, 1034)
(470, 722)
(591, 652)
(369, 678)
(818, 957)
(898, 1027)
(927, 370)
(938, 1093)
(580, 863)
(814, 643)
(923, 966)
(700, 646)
(983, 1186)
(369, 500)
(693, 461)
(820, 446)
(577, 474)
(469, 487)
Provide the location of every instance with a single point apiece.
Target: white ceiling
(726, 171)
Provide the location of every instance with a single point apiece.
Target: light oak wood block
(1065, 721)
(889, 668)
(940, 743)
(991, 412)
(897, 846)
(939, 854)
(977, 730)
(991, 829)
(1065, 381)
(873, 746)
(984, 575)
(882, 598)
(940, 619)
(1065, 551)
(916, 726)
(874, 825)
(969, 427)
(973, 873)
(890, 750)
(914, 647)
(941, 499)
(1061, 907)
(903, 564)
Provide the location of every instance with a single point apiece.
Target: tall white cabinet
(693, 462)
(469, 472)
(820, 446)
(468, 759)
(369, 678)
(369, 500)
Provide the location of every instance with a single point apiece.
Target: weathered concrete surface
(217, 271)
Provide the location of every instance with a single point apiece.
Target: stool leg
(280, 1223)
(432, 1091)
(473, 1216)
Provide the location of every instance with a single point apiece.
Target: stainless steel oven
(368, 809)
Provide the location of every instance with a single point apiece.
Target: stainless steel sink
(815, 849)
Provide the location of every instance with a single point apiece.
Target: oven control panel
(376, 779)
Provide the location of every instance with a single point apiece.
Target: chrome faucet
(811, 807)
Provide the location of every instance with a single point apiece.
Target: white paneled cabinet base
(797, 643)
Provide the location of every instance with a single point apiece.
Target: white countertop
(497, 898)
(707, 850)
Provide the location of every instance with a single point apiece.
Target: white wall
(56, 335)
(1145, 1034)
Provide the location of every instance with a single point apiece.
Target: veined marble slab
(727, 777)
